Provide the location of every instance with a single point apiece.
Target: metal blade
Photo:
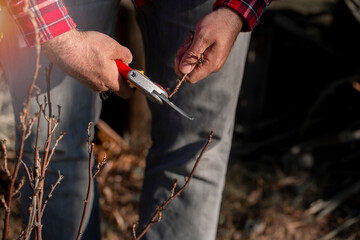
(167, 101)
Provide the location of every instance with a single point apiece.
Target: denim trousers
(177, 141)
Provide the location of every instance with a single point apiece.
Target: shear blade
(167, 101)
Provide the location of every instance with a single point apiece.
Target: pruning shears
(153, 91)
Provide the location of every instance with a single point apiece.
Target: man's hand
(89, 57)
(214, 37)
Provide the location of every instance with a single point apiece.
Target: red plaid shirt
(52, 17)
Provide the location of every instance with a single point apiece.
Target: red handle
(123, 69)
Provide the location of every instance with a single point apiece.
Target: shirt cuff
(250, 10)
(51, 17)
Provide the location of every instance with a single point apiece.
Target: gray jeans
(176, 141)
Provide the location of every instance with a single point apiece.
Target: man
(87, 53)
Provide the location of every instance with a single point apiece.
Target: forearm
(51, 18)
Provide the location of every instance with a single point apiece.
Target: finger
(122, 53)
(116, 83)
(199, 72)
(177, 70)
(185, 46)
(213, 62)
(193, 53)
(121, 86)
(125, 91)
(180, 53)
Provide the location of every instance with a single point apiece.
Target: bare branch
(31, 220)
(89, 136)
(179, 82)
(159, 216)
(59, 113)
(99, 166)
(134, 230)
(174, 187)
(54, 147)
(2, 199)
(29, 175)
(21, 184)
(47, 78)
(58, 181)
(36, 148)
(89, 189)
(29, 126)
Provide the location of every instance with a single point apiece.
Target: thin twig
(32, 210)
(2, 200)
(60, 177)
(199, 61)
(174, 187)
(29, 126)
(47, 78)
(158, 214)
(87, 194)
(134, 230)
(99, 166)
(36, 148)
(89, 136)
(178, 85)
(52, 124)
(179, 82)
(91, 178)
(54, 147)
(21, 184)
(30, 177)
(4, 166)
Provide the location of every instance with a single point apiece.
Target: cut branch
(179, 82)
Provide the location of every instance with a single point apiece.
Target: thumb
(193, 54)
(122, 53)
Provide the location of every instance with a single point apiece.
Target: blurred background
(293, 171)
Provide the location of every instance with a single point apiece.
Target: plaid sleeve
(250, 10)
(139, 3)
(51, 17)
